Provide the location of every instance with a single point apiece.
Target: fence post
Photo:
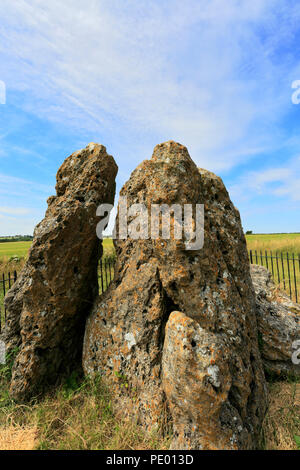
(295, 279)
(283, 275)
(102, 283)
(288, 265)
(278, 272)
(267, 264)
(272, 265)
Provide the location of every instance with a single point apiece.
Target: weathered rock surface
(176, 331)
(48, 304)
(278, 319)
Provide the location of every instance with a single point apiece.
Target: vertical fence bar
(295, 278)
(109, 265)
(278, 272)
(261, 258)
(251, 259)
(256, 257)
(105, 264)
(101, 270)
(272, 265)
(3, 280)
(267, 264)
(289, 274)
(283, 275)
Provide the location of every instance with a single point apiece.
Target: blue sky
(214, 75)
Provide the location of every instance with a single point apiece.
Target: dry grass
(282, 422)
(76, 416)
(15, 437)
(7, 265)
(79, 416)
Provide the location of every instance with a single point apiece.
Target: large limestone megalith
(175, 334)
(48, 305)
(278, 321)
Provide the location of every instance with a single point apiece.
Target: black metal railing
(106, 273)
(284, 267)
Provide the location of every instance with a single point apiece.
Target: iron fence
(284, 267)
(106, 273)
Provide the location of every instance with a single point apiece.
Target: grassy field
(285, 273)
(20, 249)
(11, 249)
(287, 243)
(282, 242)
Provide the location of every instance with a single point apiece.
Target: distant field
(283, 273)
(20, 249)
(283, 242)
(9, 249)
(289, 242)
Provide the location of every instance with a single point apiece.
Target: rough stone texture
(278, 320)
(48, 304)
(176, 331)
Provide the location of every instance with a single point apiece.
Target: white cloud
(199, 72)
(277, 181)
(14, 210)
(11, 185)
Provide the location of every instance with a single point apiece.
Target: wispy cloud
(277, 181)
(203, 73)
(14, 210)
(22, 187)
(214, 75)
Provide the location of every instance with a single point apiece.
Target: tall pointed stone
(48, 305)
(175, 335)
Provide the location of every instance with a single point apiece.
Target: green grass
(20, 249)
(9, 249)
(280, 242)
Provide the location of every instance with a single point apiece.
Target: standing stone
(48, 304)
(278, 320)
(175, 334)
